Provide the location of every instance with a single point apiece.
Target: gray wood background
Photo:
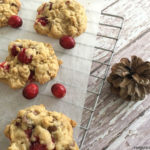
(118, 124)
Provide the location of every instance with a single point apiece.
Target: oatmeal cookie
(58, 18)
(7, 9)
(29, 60)
(35, 128)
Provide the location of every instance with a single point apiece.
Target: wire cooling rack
(93, 94)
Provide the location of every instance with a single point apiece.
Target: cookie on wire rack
(8, 8)
(35, 128)
(58, 18)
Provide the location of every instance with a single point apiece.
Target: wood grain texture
(118, 124)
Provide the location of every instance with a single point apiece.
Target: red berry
(30, 91)
(28, 133)
(53, 139)
(58, 90)
(6, 67)
(15, 21)
(43, 21)
(38, 146)
(67, 42)
(22, 57)
(17, 124)
(14, 51)
(51, 5)
(31, 77)
(2, 64)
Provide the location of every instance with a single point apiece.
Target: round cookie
(36, 128)
(7, 9)
(29, 60)
(61, 17)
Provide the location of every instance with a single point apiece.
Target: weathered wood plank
(113, 115)
(114, 118)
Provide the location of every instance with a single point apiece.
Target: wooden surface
(118, 124)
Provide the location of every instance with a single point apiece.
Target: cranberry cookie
(7, 9)
(35, 128)
(29, 60)
(61, 17)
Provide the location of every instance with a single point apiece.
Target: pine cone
(130, 80)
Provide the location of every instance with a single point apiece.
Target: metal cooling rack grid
(93, 97)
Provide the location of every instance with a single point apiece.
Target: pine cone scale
(125, 61)
(115, 80)
(143, 67)
(136, 77)
(120, 70)
(139, 92)
(123, 93)
(131, 88)
(135, 62)
(125, 82)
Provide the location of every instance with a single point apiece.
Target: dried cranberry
(51, 5)
(43, 21)
(14, 51)
(17, 124)
(28, 133)
(6, 67)
(37, 139)
(53, 139)
(31, 77)
(38, 146)
(2, 64)
(22, 57)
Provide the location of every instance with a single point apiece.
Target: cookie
(58, 18)
(7, 9)
(29, 61)
(35, 128)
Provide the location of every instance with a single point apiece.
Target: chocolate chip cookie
(8, 8)
(35, 128)
(29, 61)
(58, 18)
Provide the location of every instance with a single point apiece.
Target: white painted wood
(118, 124)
